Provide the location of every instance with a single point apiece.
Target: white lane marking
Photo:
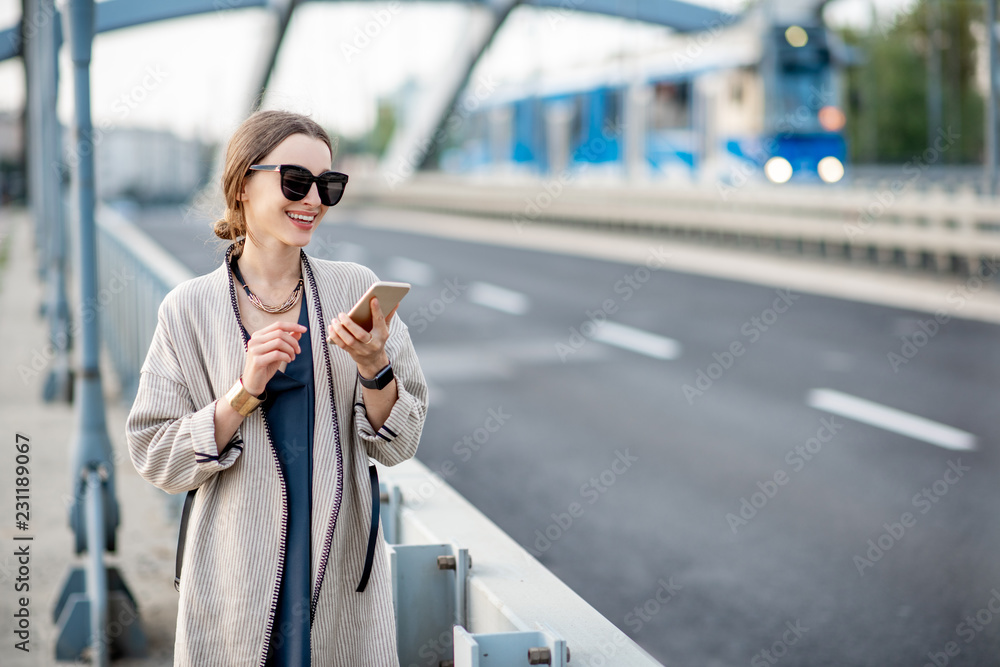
(410, 270)
(637, 340)
(499, 298)
(890, 419)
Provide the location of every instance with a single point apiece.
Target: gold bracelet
(242, 400)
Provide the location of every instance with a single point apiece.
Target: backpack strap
(373, 531)
(182, 537)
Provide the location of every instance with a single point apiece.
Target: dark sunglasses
(296, 181)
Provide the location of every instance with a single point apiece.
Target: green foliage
(889, 107)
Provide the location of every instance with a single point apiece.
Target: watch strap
(381, 379)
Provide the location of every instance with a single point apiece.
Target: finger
(353, 328)
(277, 334)
(388, 317)
(291, 327)
(274, 345)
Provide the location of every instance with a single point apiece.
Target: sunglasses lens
(295, 183)
(330, 191)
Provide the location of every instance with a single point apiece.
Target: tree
(889, 100)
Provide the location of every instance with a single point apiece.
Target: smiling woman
(284, 563)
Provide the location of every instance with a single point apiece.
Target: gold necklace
(260, 305)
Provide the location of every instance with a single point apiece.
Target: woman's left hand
(367, 348)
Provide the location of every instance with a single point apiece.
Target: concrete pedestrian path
(147, 534)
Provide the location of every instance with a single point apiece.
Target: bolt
(446, 562)
(540, 655)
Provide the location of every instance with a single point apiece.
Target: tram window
(671, 108)
(577, 127)
(613, 108)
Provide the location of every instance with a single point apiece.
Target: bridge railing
(463, 589)
(894, 224)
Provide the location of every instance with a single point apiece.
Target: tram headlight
(778, 170)
(830, 169)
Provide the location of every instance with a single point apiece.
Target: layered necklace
(260, 305)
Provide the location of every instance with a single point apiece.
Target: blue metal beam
(118, 14)
(676, 14)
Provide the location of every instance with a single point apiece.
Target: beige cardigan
(236, 532)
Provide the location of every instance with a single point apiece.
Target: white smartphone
(389, 294)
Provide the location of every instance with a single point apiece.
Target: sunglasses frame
(282, 169)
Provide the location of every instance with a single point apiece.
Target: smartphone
(389, 294)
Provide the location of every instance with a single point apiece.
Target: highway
(732, 473)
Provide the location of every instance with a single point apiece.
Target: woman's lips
(303, 220)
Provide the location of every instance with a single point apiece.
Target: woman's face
(269, 215)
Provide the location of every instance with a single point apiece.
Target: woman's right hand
(266, 350)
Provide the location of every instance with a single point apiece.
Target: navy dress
(289, 409)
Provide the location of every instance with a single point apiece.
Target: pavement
(147, 534)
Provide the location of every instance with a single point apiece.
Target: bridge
(766, 411)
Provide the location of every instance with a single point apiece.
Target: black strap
(373, 532)
(182, 536)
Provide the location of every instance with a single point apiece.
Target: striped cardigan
(234, 556)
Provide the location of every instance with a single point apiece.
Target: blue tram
(751, 100)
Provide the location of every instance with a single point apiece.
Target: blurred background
(704, 291)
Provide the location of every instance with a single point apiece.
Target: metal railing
(135, 274)
(896, 224)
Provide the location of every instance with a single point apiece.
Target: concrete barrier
(946, 232)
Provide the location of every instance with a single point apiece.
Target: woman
(242, 398)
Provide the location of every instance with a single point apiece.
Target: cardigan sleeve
(171, 440)
(397, 439)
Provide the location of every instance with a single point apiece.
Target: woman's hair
(257, 136)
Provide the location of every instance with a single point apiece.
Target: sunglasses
(296, 181)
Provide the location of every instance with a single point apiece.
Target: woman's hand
(266, 350)
(367, 348)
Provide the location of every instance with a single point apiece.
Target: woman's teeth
(301, 218)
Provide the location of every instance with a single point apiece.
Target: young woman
(242, 399)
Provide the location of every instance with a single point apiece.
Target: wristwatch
(381, 379)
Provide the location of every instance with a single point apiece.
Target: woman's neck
(270, 266)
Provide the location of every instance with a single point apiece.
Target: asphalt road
(781, 509)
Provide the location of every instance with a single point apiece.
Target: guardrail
(135, 273)
(935, 230)
(506, 609)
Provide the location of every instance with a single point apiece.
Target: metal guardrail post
(47, 155)
(97, 577)
(94, 512)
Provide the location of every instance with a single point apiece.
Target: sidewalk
(146, 534)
